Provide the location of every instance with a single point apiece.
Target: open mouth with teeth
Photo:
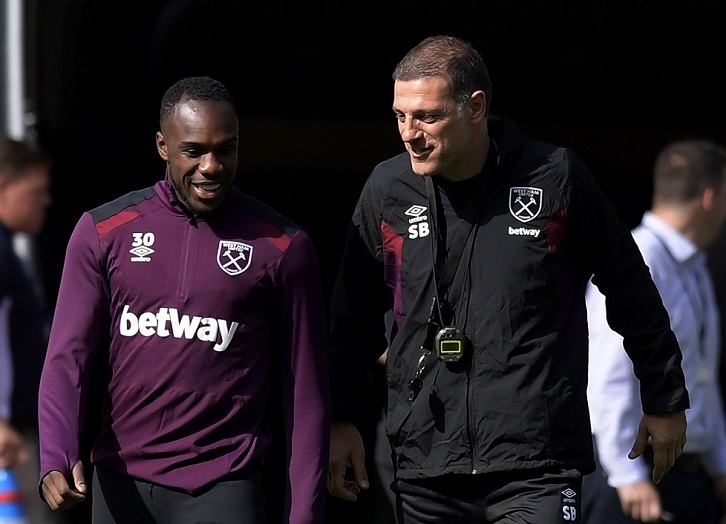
(419, 152)
(206, 193)
(207, 187)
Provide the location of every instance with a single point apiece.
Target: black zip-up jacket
(517, 399)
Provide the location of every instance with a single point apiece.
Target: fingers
(640, 501)
(644, 511)
(641, 440)
(13, 457)
(338, 486)
(667, 432)
(58, 494)
(13, 449)
(647, 513)
(359, 468)
(52, 486)
(681, 447)
(663, 459)
(79, 478)
(346, 451)
(341, 488)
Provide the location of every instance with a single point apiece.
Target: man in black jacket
(480, 243)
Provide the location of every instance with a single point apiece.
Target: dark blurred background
(614, 81)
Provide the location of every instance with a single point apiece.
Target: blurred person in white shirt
(687, 213)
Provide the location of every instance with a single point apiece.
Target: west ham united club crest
(525, 203)
(233, 257)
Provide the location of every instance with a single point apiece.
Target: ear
(477, 105)
(161, 146)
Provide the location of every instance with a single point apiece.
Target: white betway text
(167, 322)
(523, 231)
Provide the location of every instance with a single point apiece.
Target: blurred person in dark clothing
(25, 196)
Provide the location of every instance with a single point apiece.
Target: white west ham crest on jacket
(525, 203)
(233, 257)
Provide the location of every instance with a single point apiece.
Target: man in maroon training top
(192, 296)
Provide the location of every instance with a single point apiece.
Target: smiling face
(441, 138)
(199, 142)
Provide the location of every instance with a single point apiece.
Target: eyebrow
(230, 140)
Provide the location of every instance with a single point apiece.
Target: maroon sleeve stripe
(119, 219)
(275, 235)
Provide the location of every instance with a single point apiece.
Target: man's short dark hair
(17, 156)
(193, 88)
(451, 58)
(684, 168)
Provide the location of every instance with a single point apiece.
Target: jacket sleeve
(359, 304)
(305, 402)
(80, 319)
(633, 304)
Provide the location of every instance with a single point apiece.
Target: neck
(686, 220)
(473, 164)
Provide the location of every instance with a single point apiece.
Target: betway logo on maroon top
(167, 322)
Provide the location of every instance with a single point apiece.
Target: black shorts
(549, 496)
(119, 499)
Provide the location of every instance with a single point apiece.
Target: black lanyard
(447, 256)
(447, 261)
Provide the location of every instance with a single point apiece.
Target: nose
(408, 130)
(209, 163)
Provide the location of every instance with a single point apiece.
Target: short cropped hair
(683, 169)
(193, 88)
(451, 58)
(17, 156)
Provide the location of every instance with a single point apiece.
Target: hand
(58, 494)
(667, 432)
(641, 501)
(13, 450)
(346, 451)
